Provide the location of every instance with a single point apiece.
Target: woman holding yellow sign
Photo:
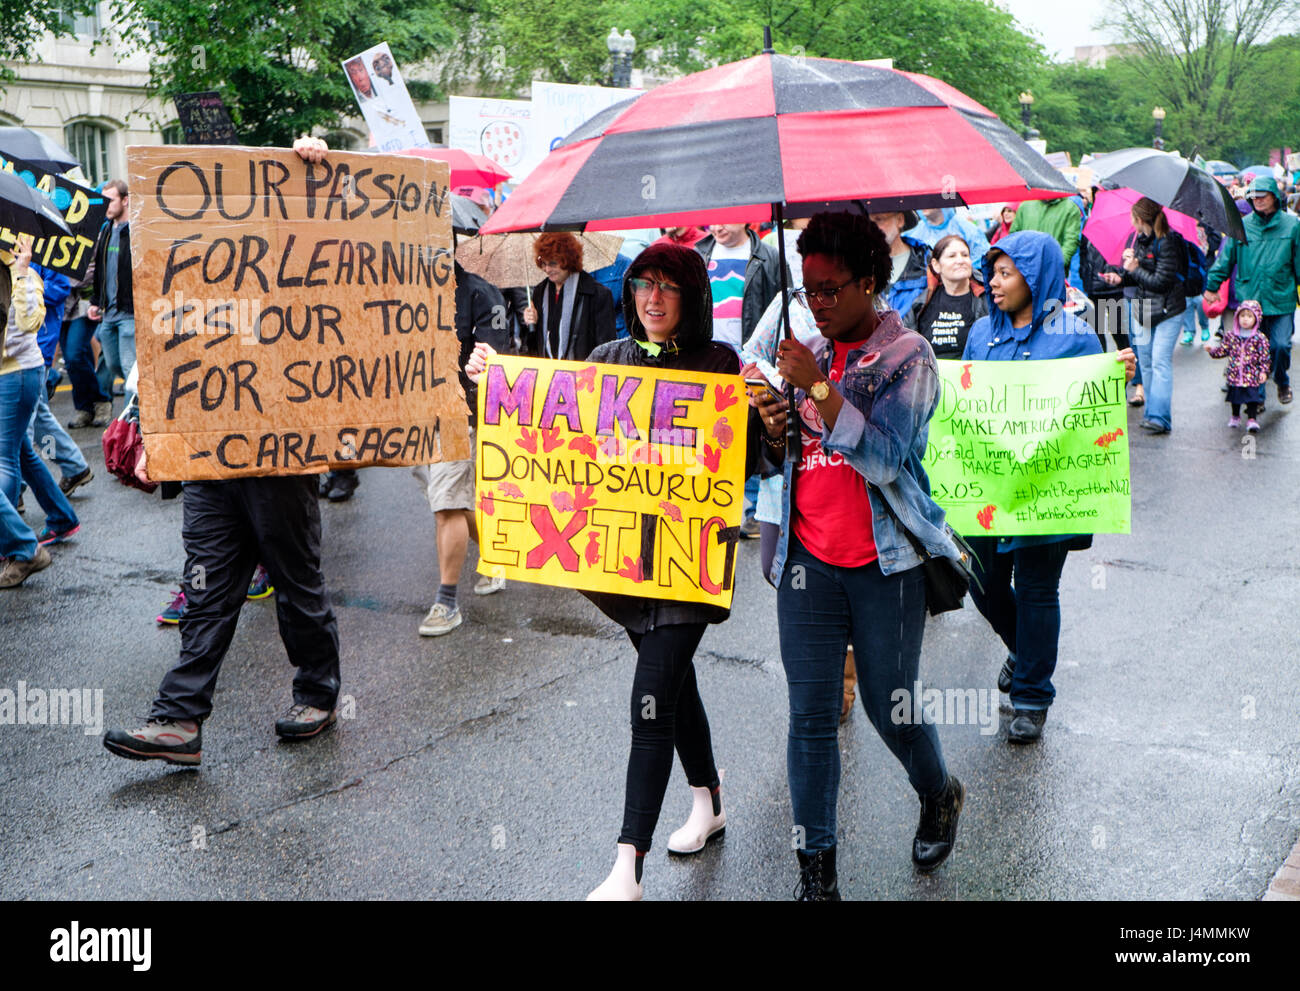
(668, 307)
(845, 569)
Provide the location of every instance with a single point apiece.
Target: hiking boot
(70, 483)
(49, 536)
(260, 587)
(441, 619)
(1026, 725)
(103, 414)
(177, 741)
(937, 830)
(488, 584)
(84, 418)
(1006, 674)
(15, 571)
(817, 881)
(303, 721)
(173, 613)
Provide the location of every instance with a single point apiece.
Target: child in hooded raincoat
(1248, 359)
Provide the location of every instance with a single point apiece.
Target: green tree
(276, 63)
(1194, 57)
(1085, 109)
(24, 22)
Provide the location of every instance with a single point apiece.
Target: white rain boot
(624, 882)
(703, 824)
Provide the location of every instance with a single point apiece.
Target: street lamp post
(621, 47)
(1026, 107)
(1158, 115)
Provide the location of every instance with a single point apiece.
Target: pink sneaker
(1234, 422)
(1252, 426)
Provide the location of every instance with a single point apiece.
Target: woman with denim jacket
(844, 568)
(1019, 577)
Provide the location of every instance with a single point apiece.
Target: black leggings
(666, 713)
(1252, 409)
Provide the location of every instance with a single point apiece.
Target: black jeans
(666, 713)
(1026, 617)
(229, 526)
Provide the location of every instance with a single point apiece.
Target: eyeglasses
(823, 297)
(645, 287)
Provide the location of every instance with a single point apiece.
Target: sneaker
(15, 572)
(48, 536)
(303, 721)
(1234, 422)
(84, 418)
(177, 741)
(749, 530)
(103, 414)
(440, 620)
(70, 483)
(260, 587)
(1252, 426)
(1186, 339)
(173, 613)
(1150, 426)
(1205, 334)
(488, 584)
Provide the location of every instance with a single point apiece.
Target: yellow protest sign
(611, 478)
(293, 317)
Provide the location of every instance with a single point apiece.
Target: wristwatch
(820, 390)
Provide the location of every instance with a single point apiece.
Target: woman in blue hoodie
(1021, 576)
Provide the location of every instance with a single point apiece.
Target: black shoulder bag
(947, 580)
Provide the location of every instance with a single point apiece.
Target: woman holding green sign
(1021, 576)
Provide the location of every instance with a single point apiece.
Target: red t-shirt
(831, 514)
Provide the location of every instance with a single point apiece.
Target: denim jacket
(891, 389)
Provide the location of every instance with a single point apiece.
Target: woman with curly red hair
(570, 313)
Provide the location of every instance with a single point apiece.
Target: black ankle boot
(937, 830)
(817, 881)
(1006, 674)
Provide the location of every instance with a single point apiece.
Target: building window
(90, 144)
(173, 134)
(435, 135)
(82, 25)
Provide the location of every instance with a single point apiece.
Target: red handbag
(123, 449)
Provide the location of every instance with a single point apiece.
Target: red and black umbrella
(730, 143)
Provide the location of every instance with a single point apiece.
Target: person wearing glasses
(570, 313)
(668, 307)
(844, 568)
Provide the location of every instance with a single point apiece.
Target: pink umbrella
(1110, 229)
(467, 169)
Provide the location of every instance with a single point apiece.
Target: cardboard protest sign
(384, 101)
(204, 119)
(291, 317)
(611, 478)
(1031, 447)
(83, 210)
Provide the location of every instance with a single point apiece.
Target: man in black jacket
(731, 250)
(449, 485)
(111, 302)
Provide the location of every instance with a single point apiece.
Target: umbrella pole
(793, 442)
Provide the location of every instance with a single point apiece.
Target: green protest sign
(1031, 447)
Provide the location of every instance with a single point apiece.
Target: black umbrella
(1171, 181)
(20, 142)
(27, 210)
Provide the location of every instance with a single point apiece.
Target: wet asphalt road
(490, 763)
